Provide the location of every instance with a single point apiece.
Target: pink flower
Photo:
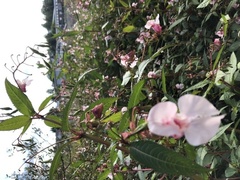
(197, 119)
(155, 25)
(124, 60)
(22, 84)
(220, 33)
(157, 28)
(97, 94)
(140, 40)
(152, 74)
(129, 60)
(142, 37)
(217, 42)
(134, 5)
(84, 107)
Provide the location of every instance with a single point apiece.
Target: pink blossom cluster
(129, 60)
(154, 25)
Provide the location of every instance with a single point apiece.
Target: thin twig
(26, 161)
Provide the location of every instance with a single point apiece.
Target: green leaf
(14, 123)
(129, 29)
(142, 66)
(126, 16)
(26, 126)
(19, 99)
(204, 4)
(111, 5)
(89, 28)
(224, 20)
(164, 160)
(104, 175)
(47, 64)
(221, 131)
(37, 52)
(124, 123)
(218, 56)
(56, 121)
(231, 68)
(199, 85)
(140, 127)
(44, 103)
(56, 161)
(113, 118)
(176, 23)
(113, 134)
(126, 78)
(118, 176)
(66, 110)
(190, 151)
(6, 108)
(218, 77)
(136, 96)
(201, 153)
(234, 46)
(123, 3)
(178, 67)
(230, 171)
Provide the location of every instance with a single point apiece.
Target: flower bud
(97, 111)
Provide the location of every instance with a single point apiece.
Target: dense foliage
(115, 68)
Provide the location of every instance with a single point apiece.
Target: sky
(20, 27)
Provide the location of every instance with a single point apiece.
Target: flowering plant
(140, 63)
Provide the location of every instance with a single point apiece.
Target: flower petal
(28, 82)
(157, 28)
(19, 82)
(157, 20)
(160, 120)
(193, 105)
(21, 85)
(200, 131)
(149, 24)
(163, 110)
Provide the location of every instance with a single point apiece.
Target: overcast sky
(20, 27)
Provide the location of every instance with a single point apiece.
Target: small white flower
(134, 4)
(180, 86)
(123, 110)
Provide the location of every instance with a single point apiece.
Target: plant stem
(101, 141)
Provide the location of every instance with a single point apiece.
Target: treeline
(47, 10)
